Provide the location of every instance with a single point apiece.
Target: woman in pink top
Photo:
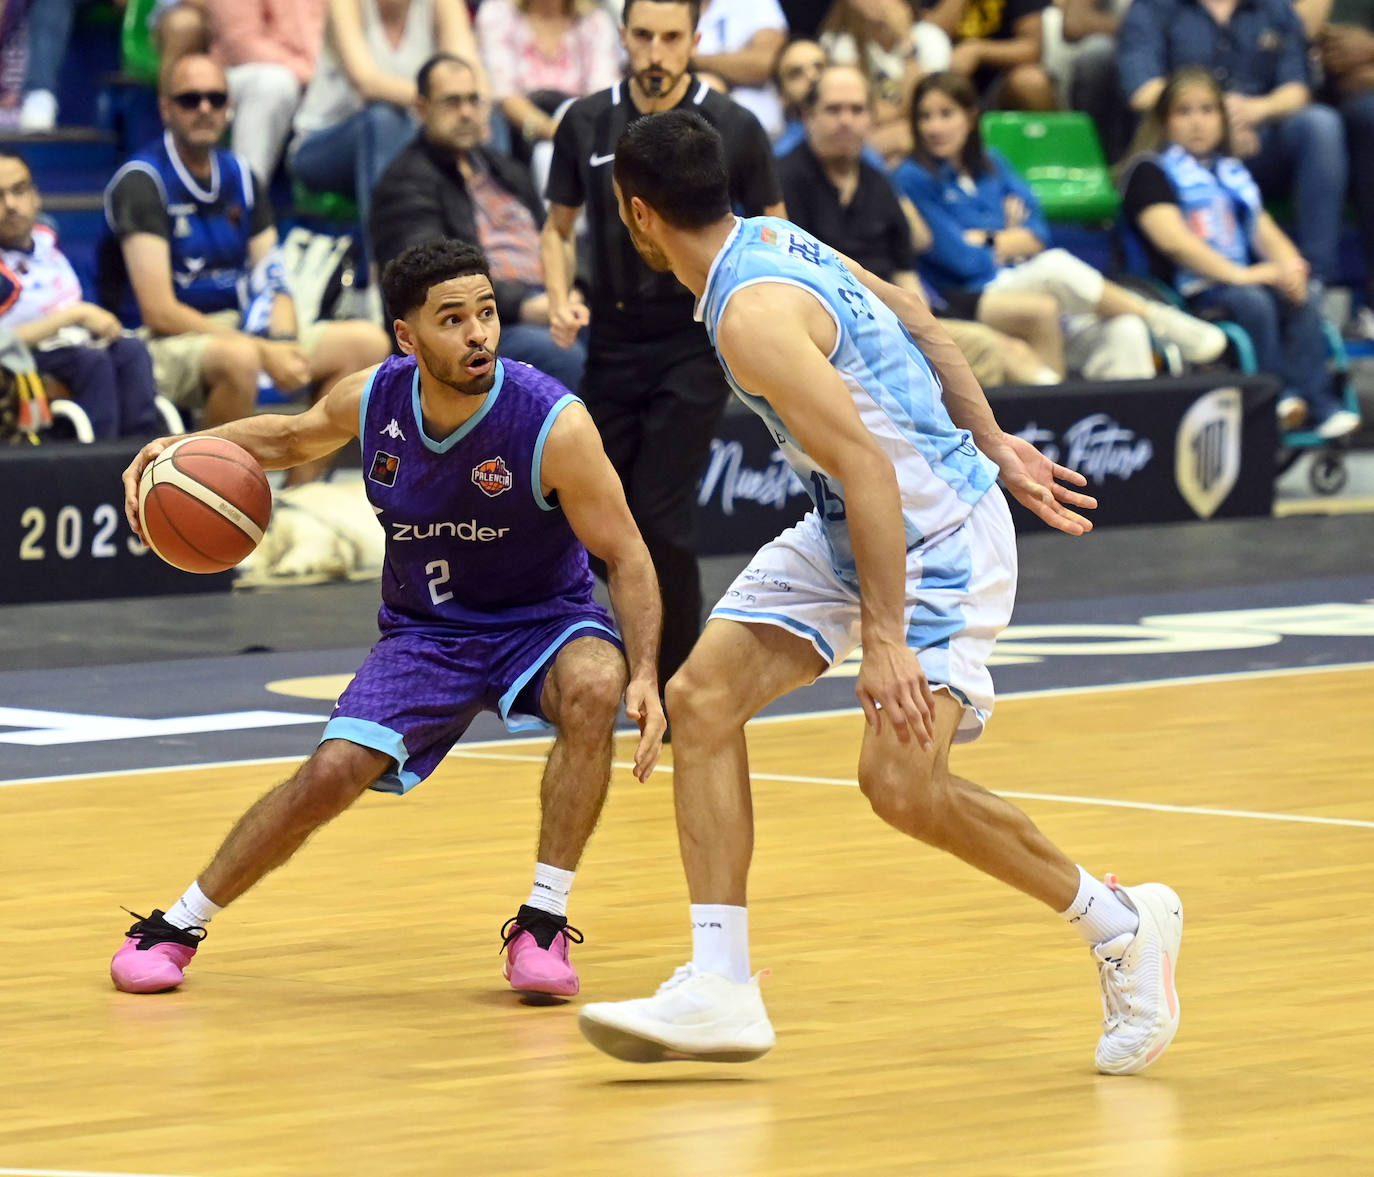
(540, 53)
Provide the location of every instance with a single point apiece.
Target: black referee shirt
(628, 299)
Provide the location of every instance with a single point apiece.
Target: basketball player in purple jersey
(488, 478)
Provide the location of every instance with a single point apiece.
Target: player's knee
(590, 702)
(691, 701)
(331, 780)
(903, 796)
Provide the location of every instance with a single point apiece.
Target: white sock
(1046, 375)
(551, 888)
(192, 910)
(720, 940)
(1097, 914)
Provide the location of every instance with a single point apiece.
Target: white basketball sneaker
(1199, 341)
(696, 1016)
(1140, 1007)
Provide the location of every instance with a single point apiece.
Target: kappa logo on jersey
(393, 431)
(384, 467)
(492, 477)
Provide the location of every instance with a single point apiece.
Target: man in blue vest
(193, 253)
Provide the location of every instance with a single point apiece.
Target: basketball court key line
(1157, 806)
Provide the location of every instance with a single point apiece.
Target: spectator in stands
(997, 45)
(1079, 54)
(49, 30)
(357, 113)
(832, 193)
(446, 184)
(1257, 51)
(270, 48)
(895, 51)
(1343, 32)
(1199, 213)
(989, 234)
(190, 226)
(740, 42)
(74, 342)
(180, 27)
(540, 55)
(797, 68)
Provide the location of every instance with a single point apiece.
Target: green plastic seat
(1060, 157)
(326, 206)
(139, 58)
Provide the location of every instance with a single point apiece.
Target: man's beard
(451, 374)
(657, 82)
(653, 256)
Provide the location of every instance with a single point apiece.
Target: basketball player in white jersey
(909, 551)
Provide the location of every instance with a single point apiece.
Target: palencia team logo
(492, 477)
(1207, 450)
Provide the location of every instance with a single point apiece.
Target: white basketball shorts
(959, 595)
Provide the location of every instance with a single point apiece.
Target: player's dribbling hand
(892, 685)
(133, 473)
(1037, 484)
(644, 707)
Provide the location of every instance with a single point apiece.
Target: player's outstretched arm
(775, 339)
(276, 440)
(1030, 478)
(576, 467)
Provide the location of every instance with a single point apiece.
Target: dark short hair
(675, 163)
(407, 279)
(693, 5)
(426, 70)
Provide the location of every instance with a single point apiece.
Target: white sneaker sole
(638, 1045)
(1162, 906)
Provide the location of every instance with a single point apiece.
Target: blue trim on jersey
(532, 722)
(791, 624)
(536, 482)
(931, 627)
(367, 734)
(362, 404)
(442, 447)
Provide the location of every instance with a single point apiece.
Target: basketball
(204, 503)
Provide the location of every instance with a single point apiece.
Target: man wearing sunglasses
(192, 252)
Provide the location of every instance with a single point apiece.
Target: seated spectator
(895, 51)
(832, 193)
(1258, 51)
(1343, 32)
(446, 184)
(1198, 211)
(539, 55)
(74, 342)
(997, 46)
(190, 228)
(797, 68)
(1079, 54)
(356, 115)
(180, 27)
(989, 234)
(739, 41)
(269, 49)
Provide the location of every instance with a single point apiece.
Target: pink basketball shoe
(154, 957)
(536, 944)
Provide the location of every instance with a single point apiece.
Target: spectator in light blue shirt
(1257, 51)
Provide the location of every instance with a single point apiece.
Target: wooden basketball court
(349, 1016)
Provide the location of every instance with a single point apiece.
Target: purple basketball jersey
(470, 539)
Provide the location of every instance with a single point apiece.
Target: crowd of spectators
(439, 117)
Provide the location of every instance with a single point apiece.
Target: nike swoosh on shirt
(597, 160)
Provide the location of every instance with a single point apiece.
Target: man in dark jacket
(446, 184)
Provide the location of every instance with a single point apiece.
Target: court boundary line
(791, 717)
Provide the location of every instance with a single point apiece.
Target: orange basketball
(204, 503)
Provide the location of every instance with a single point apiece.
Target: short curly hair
(407, 279)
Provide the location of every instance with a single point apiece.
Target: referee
(653, 384)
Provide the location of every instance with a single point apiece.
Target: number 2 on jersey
(437, 571)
